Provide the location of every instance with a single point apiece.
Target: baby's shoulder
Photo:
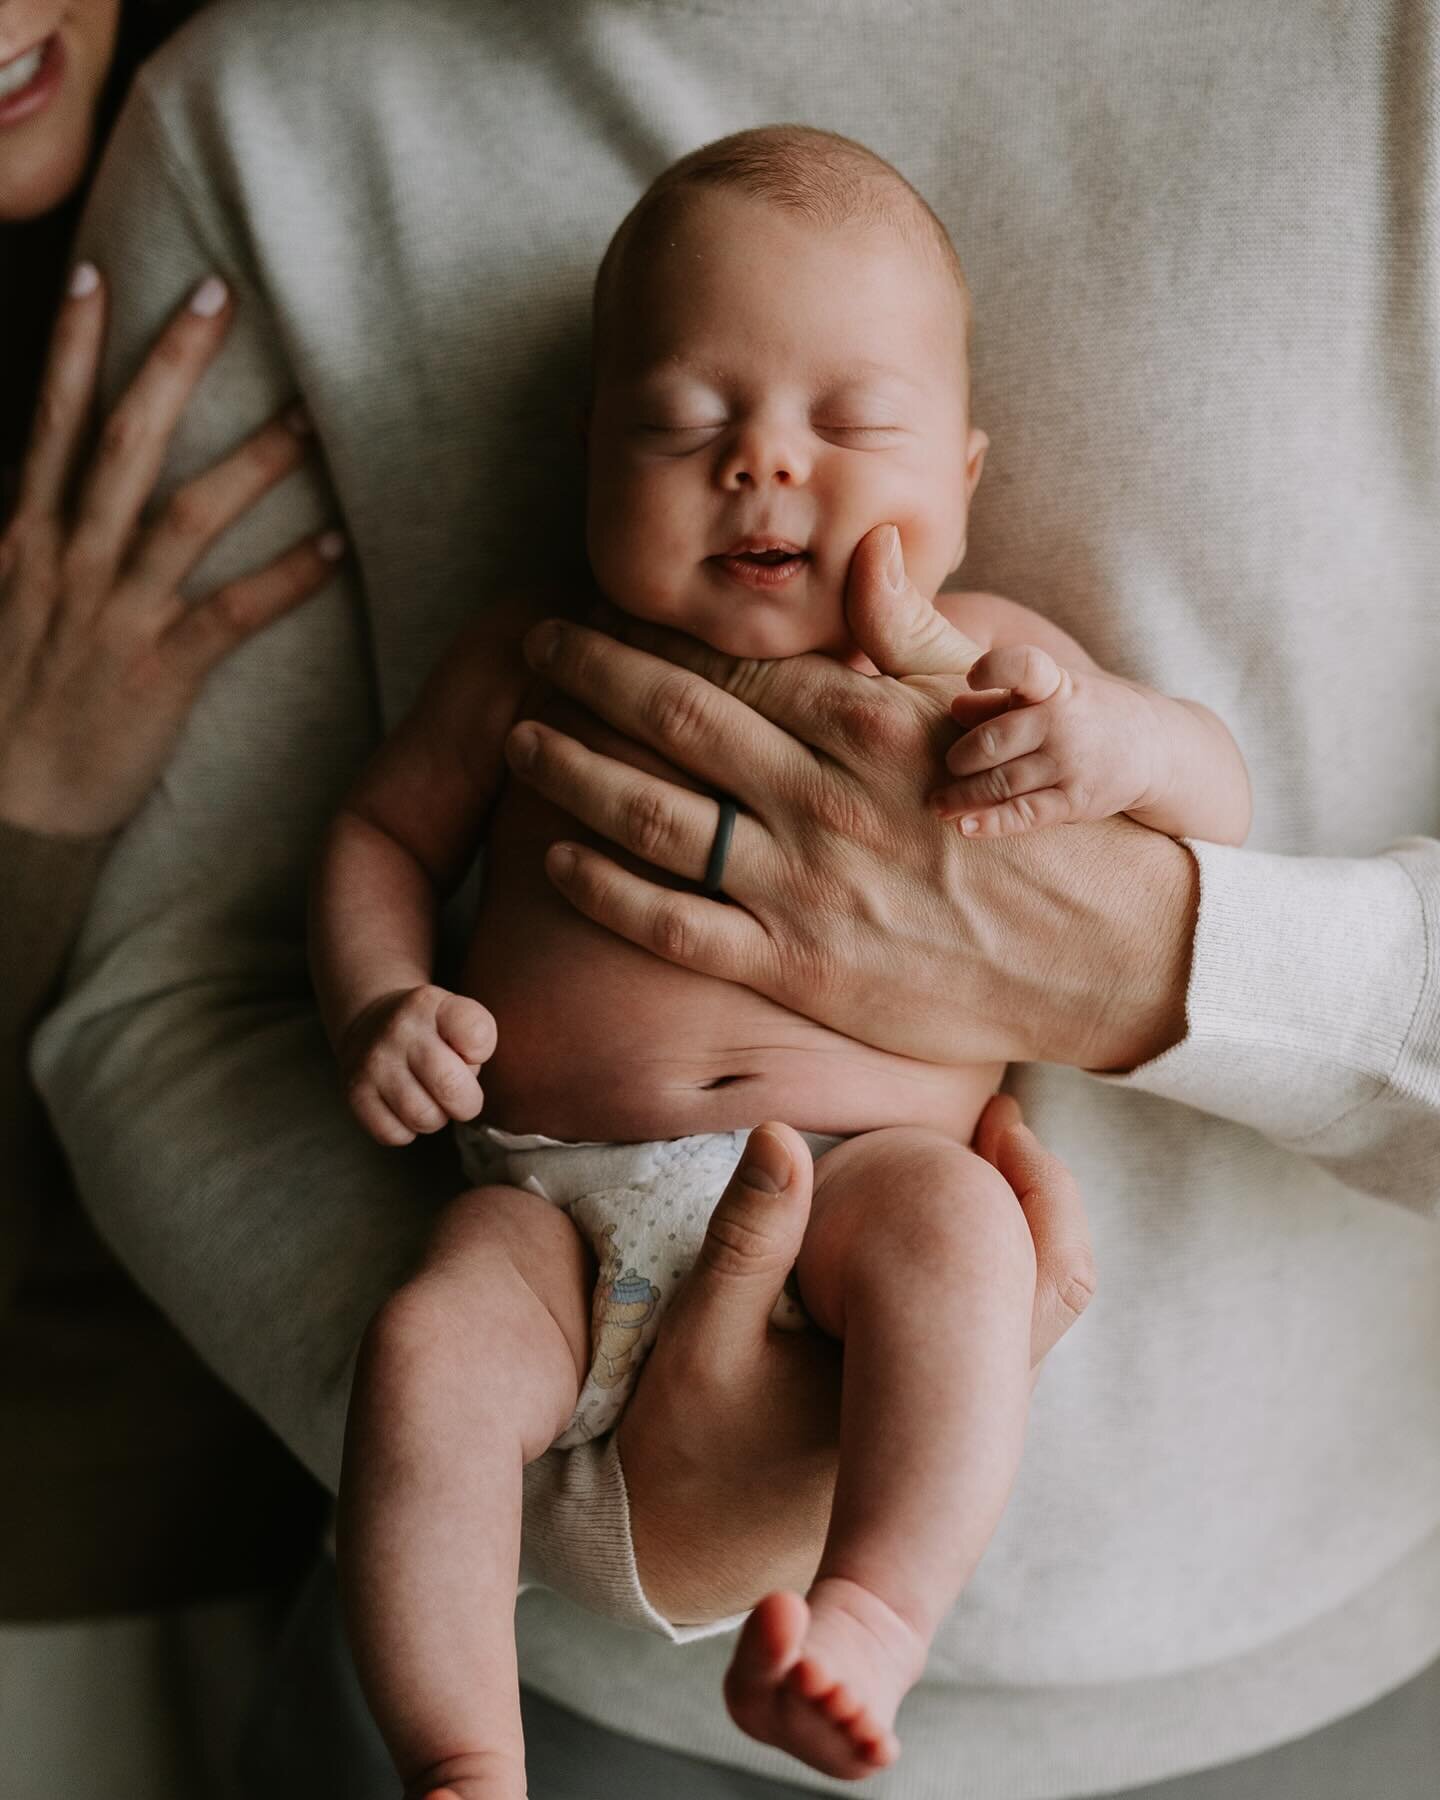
(987, 618)
(994, 622)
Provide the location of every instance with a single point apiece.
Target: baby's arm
(1078, 743)
(409, 1050)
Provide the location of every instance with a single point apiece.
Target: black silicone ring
(720, 849)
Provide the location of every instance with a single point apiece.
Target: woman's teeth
(21, 72)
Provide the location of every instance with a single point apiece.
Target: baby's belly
(598, 1039)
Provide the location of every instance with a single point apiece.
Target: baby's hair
(824, 178)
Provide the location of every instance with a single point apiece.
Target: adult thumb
(750, 1245)
(891, 620)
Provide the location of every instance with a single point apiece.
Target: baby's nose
(756, 459)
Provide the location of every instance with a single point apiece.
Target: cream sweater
(1202, 241)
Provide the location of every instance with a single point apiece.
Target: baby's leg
(466, 1374)
(917, 1256)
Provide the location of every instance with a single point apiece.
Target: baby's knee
(935, 1206)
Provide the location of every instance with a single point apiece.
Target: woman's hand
(728, 1443)
(854, 903)
(100, 657)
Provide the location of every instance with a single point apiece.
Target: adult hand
(729, 1441)
(854, 904)
(100, 657)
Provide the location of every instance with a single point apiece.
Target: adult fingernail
(209, 297)
(561, 859)
(767, 1164)
(895, 563)
(84, 279)
(520, 747)
(331, 545)
(540, 645)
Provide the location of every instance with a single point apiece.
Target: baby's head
(780, 364)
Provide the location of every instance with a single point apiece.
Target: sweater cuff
(577, 1540)
(1308, 988)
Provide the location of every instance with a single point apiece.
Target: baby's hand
(410, 1061)
(1074, 744)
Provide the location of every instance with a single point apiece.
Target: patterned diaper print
(643, 1209)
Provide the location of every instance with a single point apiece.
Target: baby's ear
(975, 447)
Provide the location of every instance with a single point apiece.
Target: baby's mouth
(762, 562)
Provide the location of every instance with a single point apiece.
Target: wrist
(1155, 741)
(1118, 995)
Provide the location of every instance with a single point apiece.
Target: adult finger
(690, 929)
(893, 623)
(1050, 1198)
(197, 512)
(723, 1308)
(210, 629)
(67, 390)
(682, 715)
(667, 826)
(135, 436)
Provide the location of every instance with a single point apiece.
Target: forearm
(373, 910)
(1203, 789)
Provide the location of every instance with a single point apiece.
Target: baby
(780, 367)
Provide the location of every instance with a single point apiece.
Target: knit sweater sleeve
(186, 1069)
(1313, 1011)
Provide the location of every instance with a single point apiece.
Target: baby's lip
(763, 545)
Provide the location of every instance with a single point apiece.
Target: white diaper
(643, 1209)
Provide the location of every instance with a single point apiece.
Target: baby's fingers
(1002, 740)
(1029, 673)
(1028, 812)
(1027, 776)
(377, 1118)
(467, 1027)
(447, 1082)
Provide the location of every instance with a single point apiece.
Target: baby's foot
(824, 1680)
(482, 1775)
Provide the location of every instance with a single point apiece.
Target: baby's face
(768, 392)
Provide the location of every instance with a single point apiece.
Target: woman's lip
(41, 88)
(760, 575)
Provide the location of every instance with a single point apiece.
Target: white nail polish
(84, 279)
(331, 545)
(209, 297)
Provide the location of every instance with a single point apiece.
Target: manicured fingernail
(298, 421)
(969, 826)
(561, 859)
(521, 746)
(84, 279)
(331, 545)
(540, 645)
(767, 1169)
(209, 297)
(895, 564)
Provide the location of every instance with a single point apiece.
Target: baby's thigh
(906, 1211)
(504, 1286)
